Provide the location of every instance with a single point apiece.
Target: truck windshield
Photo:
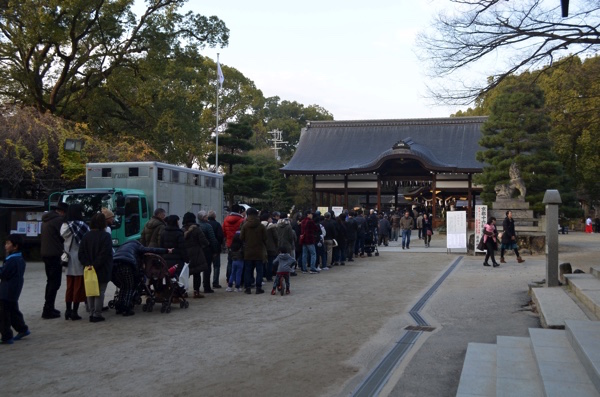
(92, 203)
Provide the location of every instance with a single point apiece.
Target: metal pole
(217, 129)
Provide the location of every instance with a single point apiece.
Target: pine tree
(517, 132)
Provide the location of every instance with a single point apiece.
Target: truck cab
(130, 207)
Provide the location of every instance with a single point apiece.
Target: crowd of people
(261, 247)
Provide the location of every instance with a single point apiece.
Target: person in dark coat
(11, 285)
(509, 238)
(339, 252)
(51, 250)
(219, 235)
(96, 250)
(427, 228)
(172, 237)
(195, 243)
(385, 229)
(125, 273)
(254, 237)
(211, 251)
(351, 235)
(153, 229)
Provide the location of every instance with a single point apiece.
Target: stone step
(584, 337)
(555, 307)
(595, 271)
(516, 370)
(478, 376)
(586, 288)
(559, 367)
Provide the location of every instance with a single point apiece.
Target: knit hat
(189, 217)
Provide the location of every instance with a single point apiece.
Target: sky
(354, 58)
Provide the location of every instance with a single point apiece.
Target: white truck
(133, 190)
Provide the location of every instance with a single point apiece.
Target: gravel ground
(322, 340)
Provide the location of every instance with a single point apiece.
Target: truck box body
(175, 189)
(133, 190)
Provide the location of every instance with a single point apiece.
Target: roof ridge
(395, 122)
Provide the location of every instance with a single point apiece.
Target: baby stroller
(161, 286)
(371, 243)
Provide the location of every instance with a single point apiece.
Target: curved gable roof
(440, 144)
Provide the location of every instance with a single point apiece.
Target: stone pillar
(552, 200)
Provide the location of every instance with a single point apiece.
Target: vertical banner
(481, 214)
(456, 230)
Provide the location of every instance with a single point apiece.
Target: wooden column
(433, 198)
(346, 204)
(469, 198)
(313, 203)
(396, 196)
(328, 199)
(378, 194)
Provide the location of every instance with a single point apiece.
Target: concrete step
(595, 271)
(559, 367)
(584, 337)
(586, 288)
(555, 307)
(478, 376)
(516, 370)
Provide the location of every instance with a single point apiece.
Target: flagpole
(217, 129)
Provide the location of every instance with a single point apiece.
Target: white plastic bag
(184, 276)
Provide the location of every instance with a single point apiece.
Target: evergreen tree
(242, 178)
(517, 131)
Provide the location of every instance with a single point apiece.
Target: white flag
(220, 76)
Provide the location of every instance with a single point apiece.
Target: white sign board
(456, 230)
(481, 214)
(337, 210)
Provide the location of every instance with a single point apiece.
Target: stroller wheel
(150, 307)
(144, 307)
(163, 309)
(111, 304)
(187, 304)
(168, 310)
(377, 254)
(182, 304)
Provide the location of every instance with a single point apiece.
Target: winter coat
(254, 236)
(351, 229)
(52, 242)
(74, 268)
(285, 263)
(231, 224)
(218, 230)
(489, 231)
(172, 237)
(132, 251)
(209, 233)
(406, 223)
(310, 231)
(96, 250)
(362, 226)
(420, 222)
(508, 226)
(396, 221)
(330, 230)
(196, 243)
(11, 277)
(272, 239)
(385, 228)
(151, 232)
(340, 232)
(427, 226)
(286, 235)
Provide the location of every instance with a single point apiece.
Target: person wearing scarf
(72, 231)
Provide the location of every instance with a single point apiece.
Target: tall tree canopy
(511, 35)
(53, 53)
(517, 132)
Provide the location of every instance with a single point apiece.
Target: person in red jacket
(232, 224)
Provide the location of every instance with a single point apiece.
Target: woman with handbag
(72, 231)
(427, 229)
(490, 241)
(95, 253)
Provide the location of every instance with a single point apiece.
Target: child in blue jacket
(11, 284)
